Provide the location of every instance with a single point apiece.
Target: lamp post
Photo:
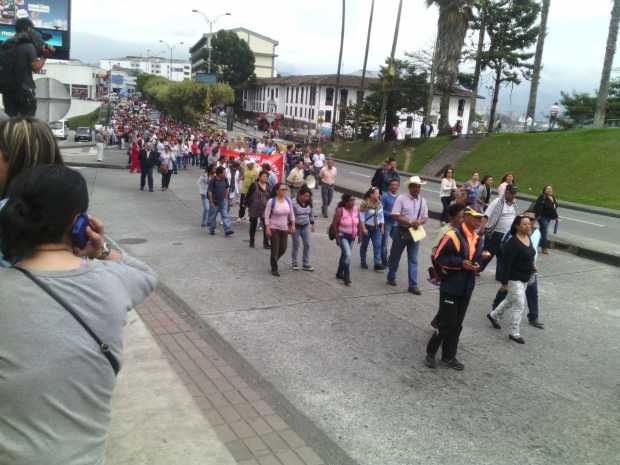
(171, 48)
(210, 22)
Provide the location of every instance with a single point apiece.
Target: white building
(79, 79)
(175, 70)
(309, 100)
(263, 47)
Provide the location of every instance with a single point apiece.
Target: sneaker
(203, 225)
(537, 324)
(339, 276)
(454, 364)
(347, 282)
(229, 233)
(275, 273)
(414, 290)
(518, 339)
(295, 267)
(391, 283)
(379, 268)
(430, 361)
(494, 321)
(364, 266)
(308, 268)
(212, 232)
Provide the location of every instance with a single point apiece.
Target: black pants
(445, 202)
(146, 174)
(165, 179)
(253, 227)
(279, 240)
(450, 318)
(242, 205)
(19, 104)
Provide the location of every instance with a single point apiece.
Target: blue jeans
(544, 231)
(344, 265)
(303, 233)
(222, 209)
(374, 235)
(387, 233)
(398, 246)
(205, 210)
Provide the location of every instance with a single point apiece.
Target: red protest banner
(276, 160)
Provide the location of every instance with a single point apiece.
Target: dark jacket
(148, 159)
(449, 255)
(546, 207)
(518, 261)
(256, 200)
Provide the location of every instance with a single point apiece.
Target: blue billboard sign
(204, 78)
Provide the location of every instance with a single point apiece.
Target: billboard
(52, 17)
(204, 78)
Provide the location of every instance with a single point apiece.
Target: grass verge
(90, 119)
(578, 163)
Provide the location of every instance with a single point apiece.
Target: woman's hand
(291, 229)
(268, 231)
(96, 238)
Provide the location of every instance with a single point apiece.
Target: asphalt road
(574, 222)
(347, 361)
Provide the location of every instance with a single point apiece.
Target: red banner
(276, 160)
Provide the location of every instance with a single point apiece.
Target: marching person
(446, 193)
(507, 180)
(203, 190)
(410, 211)
(256, 200)
(387, 202)
(372, 226)
(279, 223)
(458, 255)
(327, 176)
(497, 221)
(296, 178)
(345, 228)
(304, 225)
(546, 210)
(166, 165)
(148, 159)
(218, 201)
(485, 192)
(250, 175)
(318, 162)
(517, 270)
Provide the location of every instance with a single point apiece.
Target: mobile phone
(78, 232)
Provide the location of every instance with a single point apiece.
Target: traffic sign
(53, 100)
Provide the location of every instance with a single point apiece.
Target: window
(305, 112)
(277, 92)
(312, 95)
(272, 94)
(296, 95)
(286, 95)
(409, 122)
(302, 95)
(344, 97)
(461, 107)
(295, 111)
(328, 113)
(329, 97)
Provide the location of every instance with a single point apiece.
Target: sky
(308, 33)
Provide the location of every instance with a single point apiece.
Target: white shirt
(506, 218)
(318, 159)
(447, 185)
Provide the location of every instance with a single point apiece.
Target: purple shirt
(412, 209)
(280, 216)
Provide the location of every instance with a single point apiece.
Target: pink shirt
(349, 221)
(280, 216)
(328, 176)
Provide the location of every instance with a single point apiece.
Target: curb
(529, 198)
(567, 246)
(95, 165)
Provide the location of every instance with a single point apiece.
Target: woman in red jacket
(135, 156)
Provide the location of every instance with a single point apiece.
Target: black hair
(346, 198)
(445, 172)
(276, 188)
(304, 190)
(43, 202)
(370, 191)
(517, 222)
(23, 25)
(455, 209)
(486, 178)
(219, 170)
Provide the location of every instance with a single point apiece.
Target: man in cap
(409, 211)
(21, 100)
(458, 255)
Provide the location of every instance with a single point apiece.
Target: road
(574, 222)
(344, 364)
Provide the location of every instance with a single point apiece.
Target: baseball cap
(473, 212)
(512, 189)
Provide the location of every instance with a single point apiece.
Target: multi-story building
(309, 100)
(175, 70)
(79, 79)
(263, 47)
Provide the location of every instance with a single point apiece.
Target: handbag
(163, 168)
(403, 231)
(105, 349)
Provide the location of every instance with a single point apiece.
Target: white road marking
(360, 174)
(583, 221)
(431, 190)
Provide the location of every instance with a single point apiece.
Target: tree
(603, 90)
(511, 29)
(408, 91)
(231, 57)
(579, 108)
(454, 18)
(219, 95)
(480, 23)
(540, 47)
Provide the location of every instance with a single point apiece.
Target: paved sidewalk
(178, 402)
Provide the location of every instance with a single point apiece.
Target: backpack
(273, 203)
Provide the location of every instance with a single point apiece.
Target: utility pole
(337, 90)
(171, 49)
(360, 95)
(387, 88)
(210, 22)
(431, 86)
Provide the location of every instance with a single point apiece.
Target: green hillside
(411, 155)
(580, 164)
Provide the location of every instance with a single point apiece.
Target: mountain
(90, 48)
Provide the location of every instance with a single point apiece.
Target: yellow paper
(417, 234)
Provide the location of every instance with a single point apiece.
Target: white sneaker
(295, 267)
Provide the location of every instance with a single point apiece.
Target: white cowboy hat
(415, 180)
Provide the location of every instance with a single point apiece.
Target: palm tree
(603, 90)
(337, 90)
(540, 47)
(454, 17)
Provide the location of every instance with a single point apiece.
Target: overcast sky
(309, 32)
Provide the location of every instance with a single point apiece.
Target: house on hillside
(308, 101)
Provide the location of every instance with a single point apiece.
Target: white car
(60, 129)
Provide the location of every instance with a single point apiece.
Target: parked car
(83, 135)
(60, 129)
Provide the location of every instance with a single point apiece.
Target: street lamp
(210, 22)
(171, 48)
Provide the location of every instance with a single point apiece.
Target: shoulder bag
(105, 349)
